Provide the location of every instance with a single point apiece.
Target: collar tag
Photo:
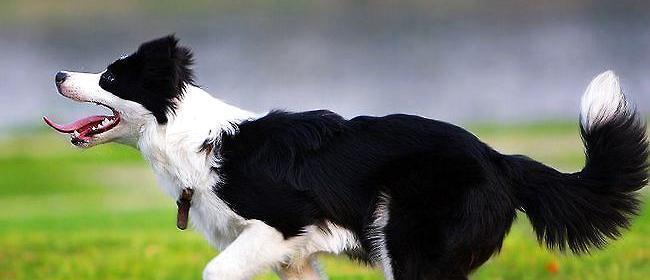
(184, 202)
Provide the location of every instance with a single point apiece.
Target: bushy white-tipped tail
(585, 209)
(602, 100)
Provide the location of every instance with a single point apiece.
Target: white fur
(172, 149)
(84, 87)
(248, 246)
(376, 233)
(331, 239)
(308, 269)
(602, 100)
(259, 246)
(173, 152)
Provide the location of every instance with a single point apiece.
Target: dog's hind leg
(303, 269)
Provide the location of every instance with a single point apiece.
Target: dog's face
(139, 89)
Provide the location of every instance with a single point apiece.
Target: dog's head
(141, 88)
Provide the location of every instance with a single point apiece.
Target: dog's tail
(583, 210)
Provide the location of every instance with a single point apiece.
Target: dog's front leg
(258, 247)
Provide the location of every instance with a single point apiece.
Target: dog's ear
(183, 61)
(168, 52)
(167, 69)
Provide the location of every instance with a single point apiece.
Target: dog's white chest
(175, 154)
(177, 164)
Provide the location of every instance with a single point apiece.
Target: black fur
(451, 198)
(584, 209)
(155, 76)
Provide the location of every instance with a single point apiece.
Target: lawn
(98, 214)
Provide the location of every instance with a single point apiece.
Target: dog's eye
(108, 77)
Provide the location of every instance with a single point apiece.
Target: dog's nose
(60, 77)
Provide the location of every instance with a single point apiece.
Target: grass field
(97, 214)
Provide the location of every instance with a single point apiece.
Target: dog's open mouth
(83, 130)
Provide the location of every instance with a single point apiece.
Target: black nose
(60, 77)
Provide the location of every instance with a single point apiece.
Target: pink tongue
(69, 128)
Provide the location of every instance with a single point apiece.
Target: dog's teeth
(75, 134)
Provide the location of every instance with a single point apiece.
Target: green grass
(98, 214)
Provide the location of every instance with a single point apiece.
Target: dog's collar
(184, 201)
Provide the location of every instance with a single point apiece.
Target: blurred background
(512, 71)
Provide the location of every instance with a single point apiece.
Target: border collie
(422, 199)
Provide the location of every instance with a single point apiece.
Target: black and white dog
(422, 199)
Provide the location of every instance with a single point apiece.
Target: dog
(420, 198)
